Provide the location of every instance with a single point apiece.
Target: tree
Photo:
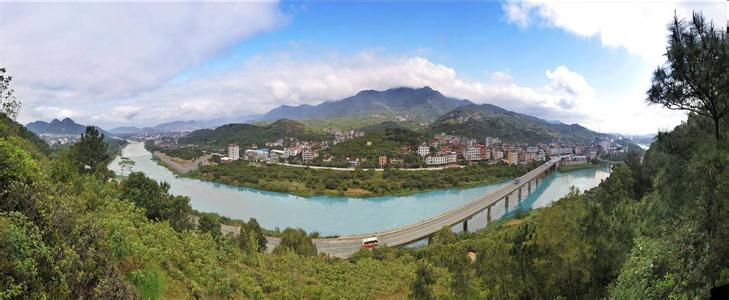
(26, 264)
(695, 77)
(421, 287)
(89, 153)
(444, 236)
(210, 223)
(155, 199)
(251, 237)
(10, 105)
(296, 240)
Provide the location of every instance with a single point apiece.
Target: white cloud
(637, 26)
(52, 112)
(84, 53)
(268, 81)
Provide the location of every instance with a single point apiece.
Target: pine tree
(90, 152)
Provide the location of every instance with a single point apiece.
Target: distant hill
(180, 126)
(65, 126)
(397, 104)
(247, 134)
(125, 130)
(478, 121)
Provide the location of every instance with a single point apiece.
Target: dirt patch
(514, 222)
(357, 192)
(181, 165)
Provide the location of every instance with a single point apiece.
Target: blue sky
(141, 64)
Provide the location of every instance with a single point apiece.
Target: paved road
(376, 169)
(345, 246)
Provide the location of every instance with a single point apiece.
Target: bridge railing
(491, 199)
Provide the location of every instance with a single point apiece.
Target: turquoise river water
(340, 215)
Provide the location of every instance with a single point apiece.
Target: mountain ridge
(402, 103)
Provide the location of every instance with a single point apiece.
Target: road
(345, 246)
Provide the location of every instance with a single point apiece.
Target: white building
(233, 152)
(275, 154)
(290, 152)
(497, 154)
(472, 153)
(436, 160)
(452, 157)
(423, 150)
(307, 155)
(256, 154)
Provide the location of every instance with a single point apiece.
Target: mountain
(478, 121)
(247, 134)
(125, 130)
(397, 104)
(65, 126)
(180, 126)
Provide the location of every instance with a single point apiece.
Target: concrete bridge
(509, 196)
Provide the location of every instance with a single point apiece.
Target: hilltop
(429, 111)
(477, 121)
(67, 126)
(396, 104)
(247, 134)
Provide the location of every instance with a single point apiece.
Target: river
(340, 215)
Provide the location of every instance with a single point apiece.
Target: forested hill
(423, 104)
(478, 121)
(65, 126)
(247, 134)
(10, 129)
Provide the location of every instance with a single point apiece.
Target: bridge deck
(345, 246)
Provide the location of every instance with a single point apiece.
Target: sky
(140, 64)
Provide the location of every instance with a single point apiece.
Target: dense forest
(655, 229)
(357, 183)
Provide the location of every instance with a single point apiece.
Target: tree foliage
(90, 152)
(695, 76)
(9, 104)
(297, 241)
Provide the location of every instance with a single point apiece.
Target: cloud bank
(266, 82)
(637, 26)
(85, 53)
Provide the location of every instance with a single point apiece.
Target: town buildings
(233, 152)
(423, 150)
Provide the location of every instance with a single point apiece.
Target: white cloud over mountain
(266, 82)
(123, 64)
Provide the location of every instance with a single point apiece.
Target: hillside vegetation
(83, 237)
(655, 229)
(405, 104)
(478, 121)
(247, 134)
(358, 183)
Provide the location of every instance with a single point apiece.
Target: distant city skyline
(143, 64)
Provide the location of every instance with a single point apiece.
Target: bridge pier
(506, 203)
(488, 215)
(465, 225)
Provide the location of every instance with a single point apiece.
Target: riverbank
(581, 167)
(179, 165)
(358, 183)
